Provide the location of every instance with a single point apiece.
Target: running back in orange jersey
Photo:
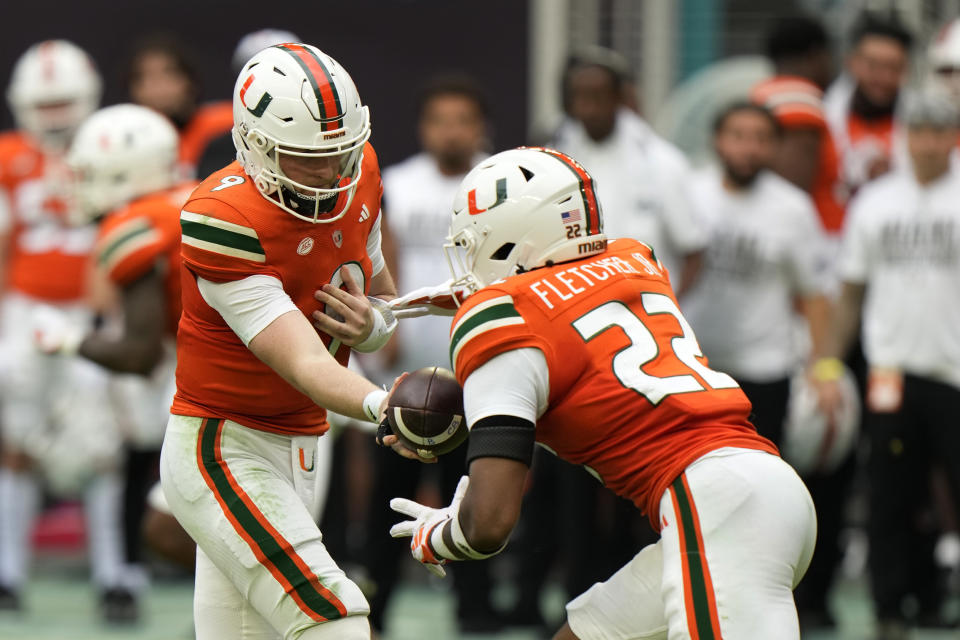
(631, 395)
(143, 235)
(47, 256)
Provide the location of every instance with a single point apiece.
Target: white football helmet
(519, 210)
(943, 57)
(293, 99)
(812, 443)
(121, 153)
(53, 88)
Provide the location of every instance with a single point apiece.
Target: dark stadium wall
(389, 47)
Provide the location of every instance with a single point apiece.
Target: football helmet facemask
(519, 210)
(294, 100)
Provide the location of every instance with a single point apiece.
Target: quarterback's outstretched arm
(290, 346)
(265, 319)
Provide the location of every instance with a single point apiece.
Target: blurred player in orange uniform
(580, 346)
(861, 106)
(807, 156)
(266, 244)
(162, 76)
(125, 160)
(51, 404)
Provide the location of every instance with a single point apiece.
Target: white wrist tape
(448, 541)
(371, 404)
(384, 324)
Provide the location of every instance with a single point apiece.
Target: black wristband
(502, 437)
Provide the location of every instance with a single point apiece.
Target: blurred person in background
(54, 411)
(861, 107)
(640, 175)
(766, 259)
(765, 252)
(162, 75)
(418, 195)
(799, 49)
(900, 268)
(220, 151)
(125, 160)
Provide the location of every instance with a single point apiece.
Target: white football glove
(54, 332)
(437, 300)
(425, 520)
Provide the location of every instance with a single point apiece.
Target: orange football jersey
(210, 121)
(230, 232)
(143, 235)
(796, 102)
(631, 396)
(47, 256)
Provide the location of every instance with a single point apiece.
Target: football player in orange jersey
(124, 158)
(267, 243)
(798, 48)
(579, 345)
(50, 403)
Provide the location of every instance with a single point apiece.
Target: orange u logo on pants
(303, 464)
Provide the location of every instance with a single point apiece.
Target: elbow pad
(502, 436)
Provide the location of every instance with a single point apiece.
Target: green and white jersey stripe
(486, 316)
(219, 236)
(124, 240)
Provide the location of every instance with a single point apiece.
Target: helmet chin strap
(303, 204)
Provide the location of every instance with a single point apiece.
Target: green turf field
(63, 606)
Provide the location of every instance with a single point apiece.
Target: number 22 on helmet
(519, 210)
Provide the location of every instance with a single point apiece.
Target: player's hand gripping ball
(425, 412)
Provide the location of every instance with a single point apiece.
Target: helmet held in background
(53, 88)
(121, 153)
(520, 210)
(813, 443)
(943, 56)
(300, 130)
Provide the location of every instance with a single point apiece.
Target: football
(426, 412)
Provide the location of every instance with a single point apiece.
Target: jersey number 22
(628, 363)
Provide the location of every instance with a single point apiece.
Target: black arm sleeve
(501, 437)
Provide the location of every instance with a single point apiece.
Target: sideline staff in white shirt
(641, 178)
(901, 271)
(765, 250)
